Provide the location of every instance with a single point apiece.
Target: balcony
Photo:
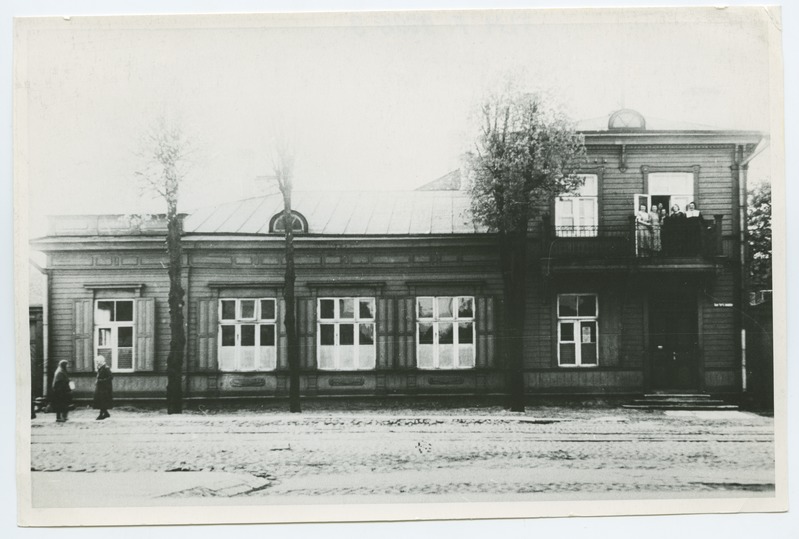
(688, 245)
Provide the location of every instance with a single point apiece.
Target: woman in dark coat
(62, 392)
(103, 390)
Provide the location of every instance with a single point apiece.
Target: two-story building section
(399, 293)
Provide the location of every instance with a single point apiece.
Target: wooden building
(399, 293)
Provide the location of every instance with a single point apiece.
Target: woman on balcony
(693, 229)
(654, 218)
(672, 231)
(643, 232)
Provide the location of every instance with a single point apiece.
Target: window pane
(327, 308)
(104, 312)
(246, 359)
(425, 307)
(465, 307)
(466, 356)
(366, 334)
(267, 309)
(327, 356)
(248, 335)
(124, 311)
(425, 359)
(248, 309)
(426, 333)
(567, 305)
(106, 353)
(587, 306)
(104, 337)
(588, 354)
(228, 309)
(346, 308)
(567, 355)
(346, 334)
(589, 187)
(567, 332)
(346, 358)
(465, 332)
(267, 335)
(366, 357)
(326, 337)
(125, 358)
(444, 307)
(228, 335)
(587, 332)
(446, 358)
(366, 309)
(125, 337)
(445, 333)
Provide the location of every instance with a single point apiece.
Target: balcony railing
(689, 238)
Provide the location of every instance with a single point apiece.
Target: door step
(679, 401)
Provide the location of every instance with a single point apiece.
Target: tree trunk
(513, 257)
(174, 363)
(293, 347)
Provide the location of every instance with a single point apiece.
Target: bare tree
(164, 153)
(525, 154)
(283, 169)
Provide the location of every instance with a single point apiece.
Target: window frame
(297, 218)
(114, 327)
(576, 199)
(455, 320)
(356, 321)
(257, 321)
(577, 320)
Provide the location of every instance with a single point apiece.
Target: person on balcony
(693, 229)
(654, 218)
(643, 232)
(672, 231)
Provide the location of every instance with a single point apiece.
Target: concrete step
(677, 406)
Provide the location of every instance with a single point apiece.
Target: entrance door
(673, 339)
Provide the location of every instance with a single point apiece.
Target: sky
(366, 102)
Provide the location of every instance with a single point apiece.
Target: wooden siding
(71, 308)
(718, 324)
(713, 195)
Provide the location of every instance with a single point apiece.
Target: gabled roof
(345, 213)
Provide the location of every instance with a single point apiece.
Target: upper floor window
(669, 189)
(576, 214)
(346, 333)
(114, 333)
(298, 223)
(578, 316)
(247, 340)
(445, 332)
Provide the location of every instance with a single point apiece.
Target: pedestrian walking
(103, 388)
(62, 392)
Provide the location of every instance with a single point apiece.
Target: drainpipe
(743, 168)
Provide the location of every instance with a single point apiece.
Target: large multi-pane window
(114, 333)
(247, 340)
(346, 334)
(577, 330)
(445, 332)
(576, 214)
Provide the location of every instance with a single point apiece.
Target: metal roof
(345, 213)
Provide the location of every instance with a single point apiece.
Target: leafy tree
(759, 235)
(283, 169)
(525, 154)
(164, 153)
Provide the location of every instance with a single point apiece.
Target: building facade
(399, 293)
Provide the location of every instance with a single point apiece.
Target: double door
(673, 339)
